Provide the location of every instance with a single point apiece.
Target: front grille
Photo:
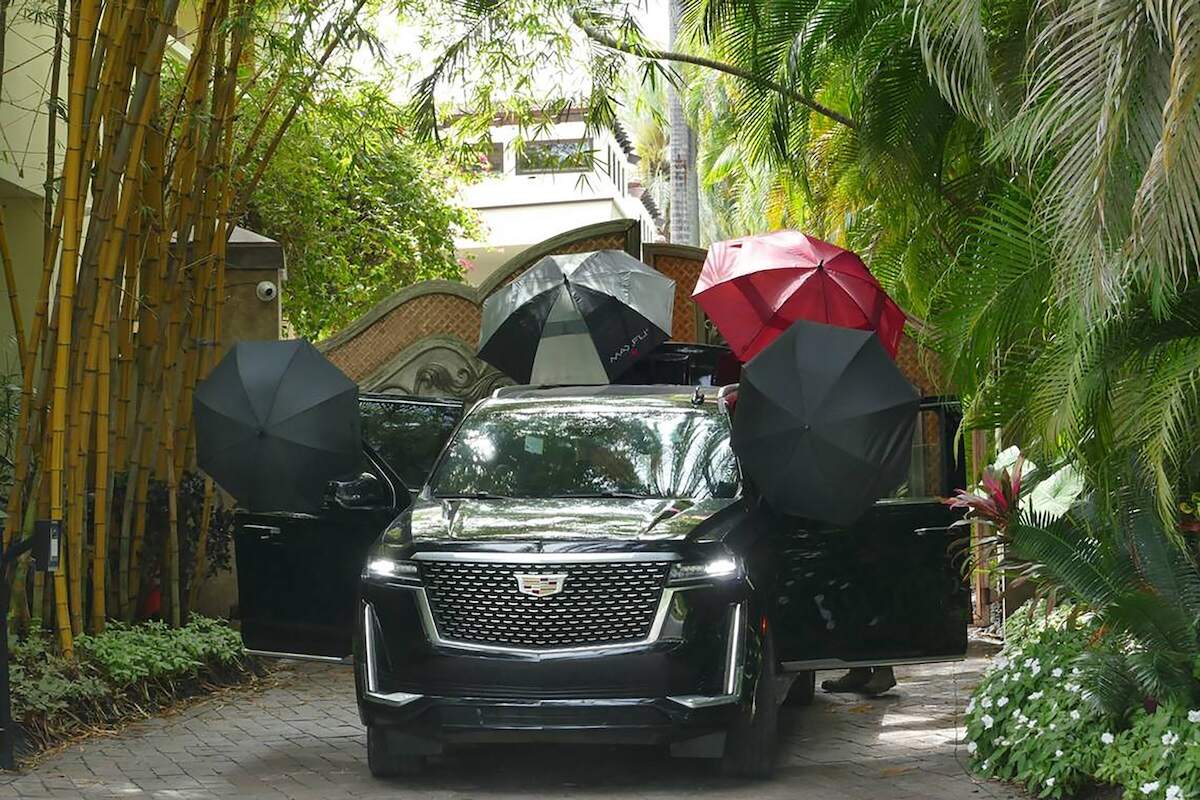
(605, 602)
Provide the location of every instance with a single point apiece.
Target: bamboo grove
(128, 315)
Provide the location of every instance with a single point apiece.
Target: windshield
(589, 450)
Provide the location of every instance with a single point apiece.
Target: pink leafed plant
(998, 499)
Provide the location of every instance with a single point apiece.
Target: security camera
(266, 291)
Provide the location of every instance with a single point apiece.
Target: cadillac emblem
(536, 585)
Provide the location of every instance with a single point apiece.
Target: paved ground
(301, 739)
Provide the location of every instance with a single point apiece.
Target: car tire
(753, 739)
(803, 690)
(382, 759)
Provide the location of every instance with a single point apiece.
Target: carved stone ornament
(437, 366)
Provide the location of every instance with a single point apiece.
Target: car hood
(554, 519)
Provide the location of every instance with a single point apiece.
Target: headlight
(722, 568)
(390, 568)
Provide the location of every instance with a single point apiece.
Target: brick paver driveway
(301, 739)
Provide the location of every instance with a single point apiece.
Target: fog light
(718, 568)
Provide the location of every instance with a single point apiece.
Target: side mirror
(365, 491)
(725, 489)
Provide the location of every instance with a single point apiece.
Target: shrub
(1158, 757)
(1028, 721)
(124, 671)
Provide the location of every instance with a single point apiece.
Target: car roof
(674, 393)
(613, 396)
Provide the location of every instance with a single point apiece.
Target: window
(590, 449)
(932, 472)
(491, 159)
(408, 435)
(555, 155)
(495, 158)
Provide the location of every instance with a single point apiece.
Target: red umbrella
(755, 287)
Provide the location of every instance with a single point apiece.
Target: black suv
(585, 565)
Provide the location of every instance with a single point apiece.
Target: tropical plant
(1124, 563)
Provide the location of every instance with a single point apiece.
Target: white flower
(1002, 662)
(1170, 739)
(986, 702)
(1174, 792)
(1002, 702)
(1056, 672)
(972, 747)
(1037, 695)
(1053, 726)
(1107, 738)
(1076, 671)
(988, 722)
(1150, 788)
(1074, 714)
(1035, 668)
(1058, 753)
(1049, 782)
(984, 766)
(971, 706)
(1194, 716)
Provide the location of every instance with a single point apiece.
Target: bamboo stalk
(14, 302)
(100, 544)
(72, 230)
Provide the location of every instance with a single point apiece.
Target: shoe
(852, 681)
(883, 679)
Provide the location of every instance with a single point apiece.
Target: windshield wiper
(472, 496)
(624, 495)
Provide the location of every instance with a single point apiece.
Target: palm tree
(685, 192)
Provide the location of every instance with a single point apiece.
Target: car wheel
(803, 690)
(753, 738)
(384, 761)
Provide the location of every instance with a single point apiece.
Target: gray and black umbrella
(824, 422)
(275, 422)
(583, 318)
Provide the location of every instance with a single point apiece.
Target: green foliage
(1029, 721)
(1128, 569)
(1157, 757)
(152, 651)
(360, 208)
(1049, 737)
(116, 673)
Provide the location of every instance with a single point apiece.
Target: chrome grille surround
(604, 602)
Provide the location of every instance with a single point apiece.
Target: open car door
(889, 589)
(298, 573)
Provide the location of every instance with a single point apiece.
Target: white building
(560, 179)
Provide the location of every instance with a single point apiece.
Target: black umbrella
(275, 422)
(824, 422)
(582, 318)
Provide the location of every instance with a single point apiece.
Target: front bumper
(683, 682)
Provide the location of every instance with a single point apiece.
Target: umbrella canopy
(753, 288)
(824, 422)
(582, 318)
(275, 422)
